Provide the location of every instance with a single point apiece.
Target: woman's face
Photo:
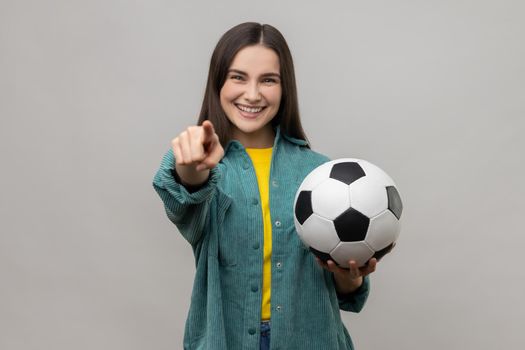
(251, 95)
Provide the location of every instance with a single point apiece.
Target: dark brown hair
(235, 39)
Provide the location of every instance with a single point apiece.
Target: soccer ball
(348, 209)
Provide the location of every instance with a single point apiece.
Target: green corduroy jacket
(223, 223)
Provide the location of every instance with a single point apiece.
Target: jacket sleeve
(355, 301)
(188, 211)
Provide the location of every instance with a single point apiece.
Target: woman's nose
(252, 92)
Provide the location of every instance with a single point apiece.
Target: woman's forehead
(256, 60)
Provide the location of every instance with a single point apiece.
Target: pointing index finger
(209, 130)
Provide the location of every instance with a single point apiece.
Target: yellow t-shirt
(261, 159)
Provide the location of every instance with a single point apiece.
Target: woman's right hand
(197, 150)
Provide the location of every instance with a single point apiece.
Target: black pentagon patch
(323, 256)
(347, 172)
(303, 206)
(351, 226)
(381, 253)
(394, 201)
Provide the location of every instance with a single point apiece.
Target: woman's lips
(250, 112)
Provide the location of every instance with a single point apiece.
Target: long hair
(235, 39)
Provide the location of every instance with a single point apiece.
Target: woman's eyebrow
(277, 75)
(270, 74)
(236, 71)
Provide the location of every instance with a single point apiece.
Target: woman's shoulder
(304, 150)
(318, 155)
(312, 156)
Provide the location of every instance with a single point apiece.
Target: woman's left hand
(348, 280)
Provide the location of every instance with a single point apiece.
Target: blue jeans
(265, 335)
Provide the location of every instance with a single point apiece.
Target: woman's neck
(262, 138)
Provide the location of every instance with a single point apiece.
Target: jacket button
(251, 331)
(278, 223)
(254, 288)
(255, 201)
(255, 246)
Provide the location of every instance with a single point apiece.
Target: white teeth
(249, 109)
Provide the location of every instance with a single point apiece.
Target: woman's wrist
(191, 187)
(190, 177)
(346, 285)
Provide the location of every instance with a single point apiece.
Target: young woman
(229, 183)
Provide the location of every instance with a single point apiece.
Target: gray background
(92, 92)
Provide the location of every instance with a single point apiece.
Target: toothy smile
(249, 109)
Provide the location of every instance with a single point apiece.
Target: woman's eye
(236, 77)
(269, 81)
